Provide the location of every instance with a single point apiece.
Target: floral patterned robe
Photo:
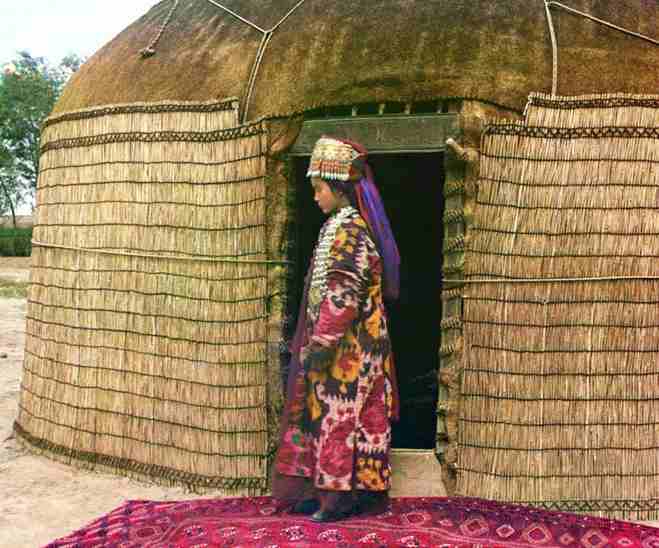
(339, 431)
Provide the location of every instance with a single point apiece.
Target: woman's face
(323, 195)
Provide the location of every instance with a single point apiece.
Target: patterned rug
(410, 522)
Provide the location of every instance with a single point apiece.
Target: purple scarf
(289, 373)
(372, 211)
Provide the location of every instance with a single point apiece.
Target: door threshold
(403, 451)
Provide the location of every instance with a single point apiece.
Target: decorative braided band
(522, 130)
(611, 101)
(157, 137)
(143, 108)
(623, 505)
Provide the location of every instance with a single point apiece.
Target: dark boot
(334, 506)
(306, 507)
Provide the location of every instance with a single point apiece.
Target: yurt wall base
(138, 471)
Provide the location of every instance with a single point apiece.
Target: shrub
(15, 242)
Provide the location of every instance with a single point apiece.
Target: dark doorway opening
(411, 188)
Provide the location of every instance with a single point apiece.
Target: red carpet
(436, 522)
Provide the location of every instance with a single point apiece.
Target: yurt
(516, 147)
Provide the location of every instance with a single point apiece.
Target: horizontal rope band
(109, 224)
(133, 372)
(560, 302)
(560, 325)
(554, 159)
(553, 449)
(163, 257)
(558, 209)
(167, 253)
(517, 233)
(133, 313)
(607, 374)
(566, 255)
(136, 163)
(80, 203)
(141, 352)
(557, 399)
(538, 186)
(141, 396)
(127, 332)
(230, 103)
(558, 476)
(185, 297)
(549, 280)
(143, 273)
(159, 183)
(561, 424)
(568, 350)
(138, 440)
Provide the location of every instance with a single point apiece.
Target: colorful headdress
(334, 160)
(343, 160)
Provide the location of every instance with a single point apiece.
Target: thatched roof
(334, 53)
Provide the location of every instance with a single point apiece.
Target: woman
(333, 458)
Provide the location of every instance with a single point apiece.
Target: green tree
(29, 87)
(11, 193)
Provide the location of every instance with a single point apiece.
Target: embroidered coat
(339, 431)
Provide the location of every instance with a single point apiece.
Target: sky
(56, 28)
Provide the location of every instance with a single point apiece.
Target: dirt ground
(43, 500)
(15, 269)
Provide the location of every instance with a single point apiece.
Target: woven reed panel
(560, 392)
(600, 110)
(147, 355)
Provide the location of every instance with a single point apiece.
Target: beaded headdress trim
(332, 160)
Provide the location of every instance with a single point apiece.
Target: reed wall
(147, 332)
(559, 394)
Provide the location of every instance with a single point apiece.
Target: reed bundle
(560, 391)
(146, 347)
